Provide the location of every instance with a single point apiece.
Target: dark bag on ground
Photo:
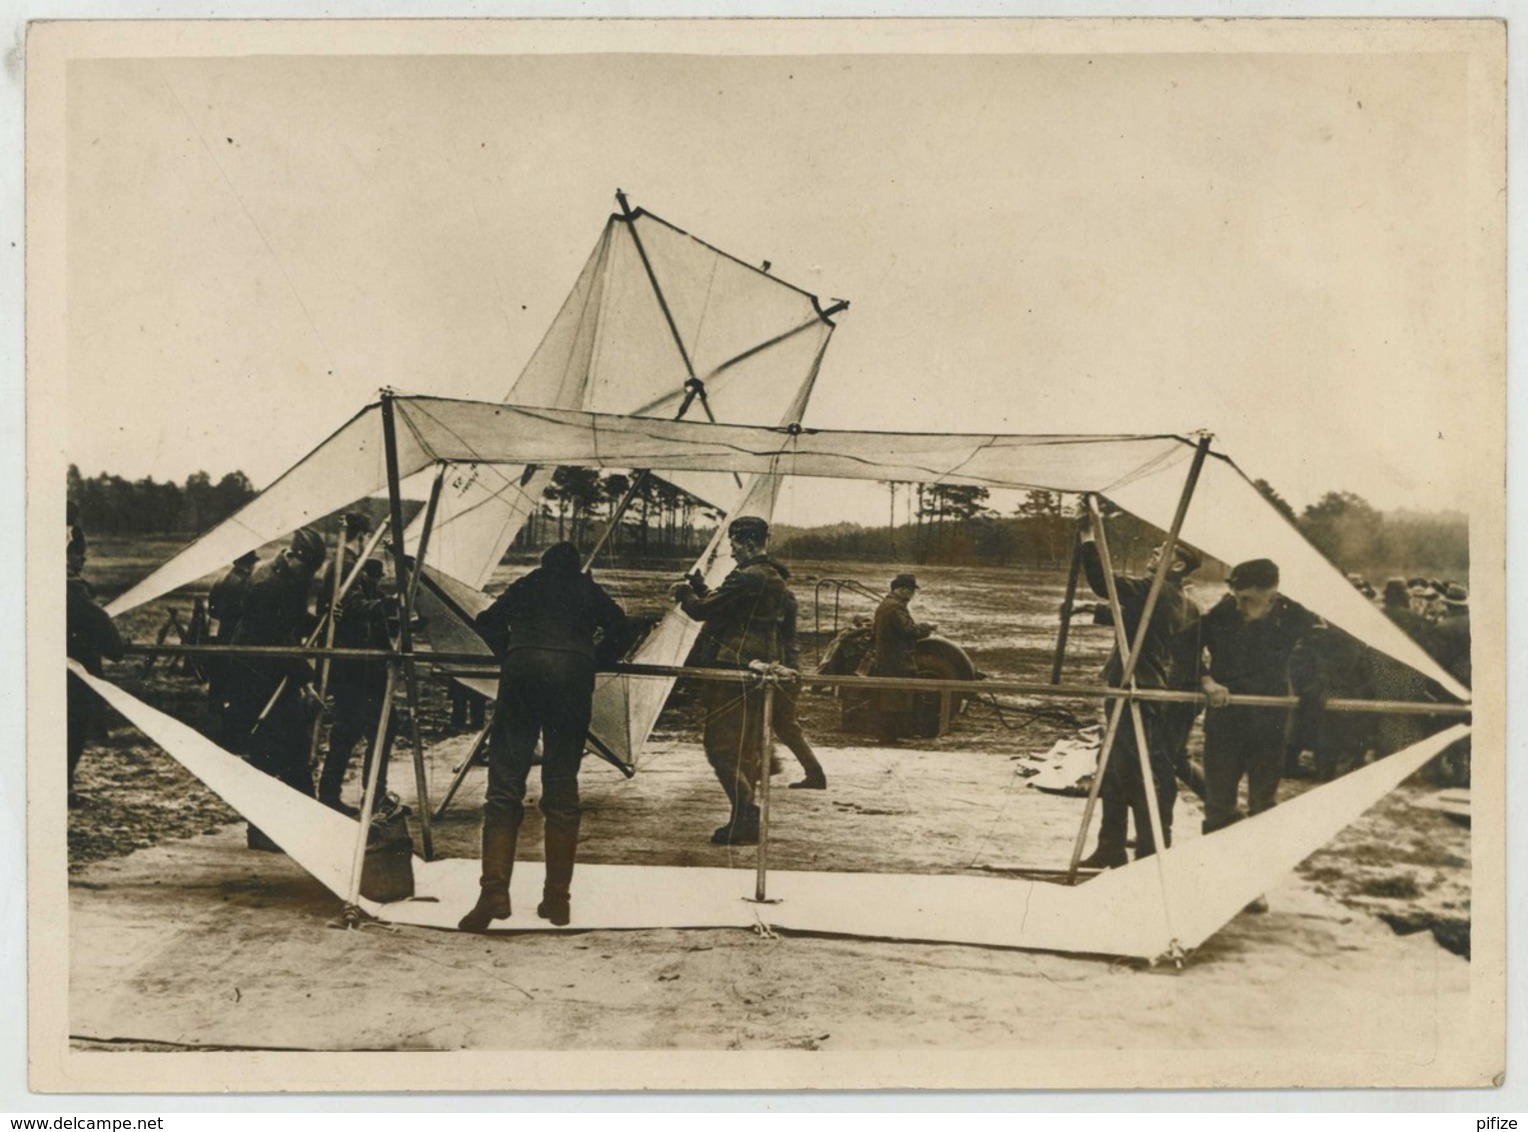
(387, 874)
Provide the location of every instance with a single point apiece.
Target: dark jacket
(1271, 656)
(790, 643)
(90, 632)
(560, 610)
(896, 634)
(225, 603)
(1169, 617)
(744, 617)
(361, 622)
(1450, 640)
(275, 613)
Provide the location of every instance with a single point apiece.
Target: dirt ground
(183, 940)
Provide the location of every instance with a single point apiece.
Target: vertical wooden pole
(401, 578)
(379, 749)
(323, 667)
(766, 754)
(1066, 610)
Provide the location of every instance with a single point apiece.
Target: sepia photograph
(766, 554)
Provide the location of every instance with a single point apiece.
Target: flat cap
(1258, 574)
(748, 526)
(308, 546)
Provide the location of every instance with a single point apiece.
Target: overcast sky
(1274, 247)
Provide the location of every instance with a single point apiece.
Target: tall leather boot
(332, 779)
(1110, 851)
(561, 849)
(499, 839)
(815, 778)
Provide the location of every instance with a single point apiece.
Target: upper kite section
(659, 324)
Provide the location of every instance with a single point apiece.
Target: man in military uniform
(225, 605)
(1123, 790)
(786, 726)
(1260, 643)
(276, 613)
(544, 626)
(744, 620)
(1451, 633)
(896, 636)
(358, 686)
(90, 637)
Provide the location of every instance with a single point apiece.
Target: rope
(1037, 711)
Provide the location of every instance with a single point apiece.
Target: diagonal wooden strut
(1130, 653)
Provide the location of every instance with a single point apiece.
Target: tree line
(650, 515)
(955, 525)
(951, 524)
(109, 504)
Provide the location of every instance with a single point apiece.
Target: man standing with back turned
(544, 626)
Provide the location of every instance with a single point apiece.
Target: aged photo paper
(1239, 284)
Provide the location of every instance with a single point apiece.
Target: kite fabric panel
(1144, 474)
(483, 506)
(626, 708)
(1214, 877)
(319, 839)
(1182, 896)
(1230, 519)
(481, 509)
(448, 610)
(459, 430)
(350, 465)
(753, 341)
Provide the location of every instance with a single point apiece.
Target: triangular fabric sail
(651, 305)
(316, 837)
(350, 465)
(448, 609)
(627, 707)
(1127, 911)
(483, 506)
(1144, 474)
(1230, 518)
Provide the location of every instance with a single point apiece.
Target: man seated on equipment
(896, 638)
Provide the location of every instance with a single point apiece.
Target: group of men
(265, 708)
(1254, 642)
(1437, 616)
(548, 624)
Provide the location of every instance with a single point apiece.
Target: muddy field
(954, 804)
